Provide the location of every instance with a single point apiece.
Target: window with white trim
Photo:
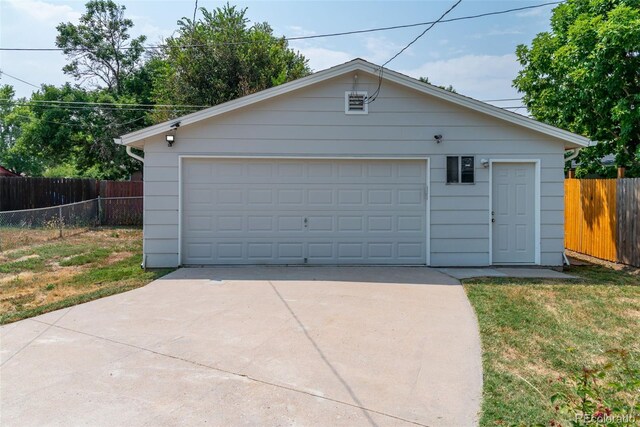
(460, 170)
(355, 102)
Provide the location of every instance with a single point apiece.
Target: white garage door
(268, 211)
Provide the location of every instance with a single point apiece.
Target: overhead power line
(502, 99)
(2, 73)
(422, 33)
(107, 104)
(83, 125)
(375, 94)
(104, 107)
(315, 36)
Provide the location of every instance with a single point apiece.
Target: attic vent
(355, 103)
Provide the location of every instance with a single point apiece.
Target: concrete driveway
(252, 346)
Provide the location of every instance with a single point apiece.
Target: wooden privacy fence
(122, 204)
(602, 218)
(32, 193)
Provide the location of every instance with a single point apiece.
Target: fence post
(60, 219)
(99, 221)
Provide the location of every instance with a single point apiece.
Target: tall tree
(63, 132)
(15, 115)
(100, 49)
(220, 57)
(584, 75)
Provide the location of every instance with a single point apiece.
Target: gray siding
(312, 122)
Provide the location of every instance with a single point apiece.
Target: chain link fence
(24, 227)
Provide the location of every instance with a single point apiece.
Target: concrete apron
(252, 346)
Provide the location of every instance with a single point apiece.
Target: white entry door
(513, 213)
(277, 211)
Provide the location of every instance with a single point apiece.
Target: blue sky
(475, 56)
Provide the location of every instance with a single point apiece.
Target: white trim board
(276, 157)
(537, 178)
(572, 140)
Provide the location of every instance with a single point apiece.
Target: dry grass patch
(534, 331)
(55, 274)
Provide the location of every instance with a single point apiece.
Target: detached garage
(314, 172)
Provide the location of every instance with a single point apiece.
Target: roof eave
(570, 139)
(242, 102)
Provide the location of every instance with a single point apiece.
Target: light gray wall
(312, 122)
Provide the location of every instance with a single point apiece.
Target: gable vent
(355, 103)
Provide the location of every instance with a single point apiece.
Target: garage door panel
(375, 172)
(303, 211)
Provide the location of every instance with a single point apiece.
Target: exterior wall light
(438, 138)
(484, 163)
(170, 139)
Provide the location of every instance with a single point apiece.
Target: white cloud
(143, 25)
(321, 58)
(42, 11)
(478, 76)
(532, 13)
(499, 32)
(380, 49)
(298, 31)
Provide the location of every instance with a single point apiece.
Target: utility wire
(80, 125)
(2, 73)
(419, 24)
(502, 99)
(316, 36)
(422, 33)
(373, 97)
(106, 107)
(106, 103)
(179, 106)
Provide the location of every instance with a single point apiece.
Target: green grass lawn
(63, 272)
(537, 335)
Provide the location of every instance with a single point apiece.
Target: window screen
(466, 169)
(460, 169)
(452, 170)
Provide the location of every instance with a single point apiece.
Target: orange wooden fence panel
(591, 218)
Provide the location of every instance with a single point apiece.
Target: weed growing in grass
(50, 287)
(86, 258)
(31, 264)
(606, 395)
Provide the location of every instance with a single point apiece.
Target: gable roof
(572, 140)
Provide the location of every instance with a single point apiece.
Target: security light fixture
(170, 139)
(438, 138)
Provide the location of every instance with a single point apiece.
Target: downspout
(134, 155)
(131, 154)
(575, 153)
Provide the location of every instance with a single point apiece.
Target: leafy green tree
(584, 75)
(78, 138)
(14, 116)
(67, 136)
(99, 48)
(220, 57)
